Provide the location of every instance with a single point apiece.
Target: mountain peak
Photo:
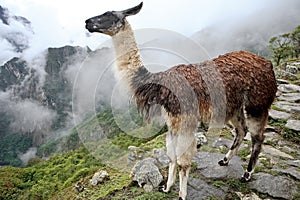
(4, 15)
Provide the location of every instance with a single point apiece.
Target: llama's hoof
(180, 198)
(244, 180)
(161, 188)
(246, 177)
(222, 163)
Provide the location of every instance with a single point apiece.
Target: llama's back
(248, 78)
(232, 81)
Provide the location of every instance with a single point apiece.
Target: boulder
(293, 124)
(134, 154)
(251, 196)
(147, 174)
(99, 177)
(288, 106)
(292, 171)
(199, 189)
(289, 88)
(162, 158)
(207, 164)
(291, 97)
(279, 115)
(295, 163)
(267, 149)
(221, 143)
(275, 186)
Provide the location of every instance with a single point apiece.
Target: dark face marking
(110, 22)
(106, 23)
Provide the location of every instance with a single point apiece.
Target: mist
(251, 32)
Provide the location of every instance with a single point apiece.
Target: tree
(295, 37)
(281, 47)
(285, 46)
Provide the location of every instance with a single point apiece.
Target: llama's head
(110, 22)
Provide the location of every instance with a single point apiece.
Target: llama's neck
(128, 58)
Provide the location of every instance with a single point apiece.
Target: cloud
(251, 32)
(61, 22)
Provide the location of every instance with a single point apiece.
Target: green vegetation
(286, 133)
(55, 178)
(44, 179)
(11, 146)
(285, 46)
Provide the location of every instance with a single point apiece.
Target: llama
(183, 93)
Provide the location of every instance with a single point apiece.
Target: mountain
(35, 97)
(15, 34)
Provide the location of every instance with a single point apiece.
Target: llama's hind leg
(240, 128)
(171, 142)
(256, 127)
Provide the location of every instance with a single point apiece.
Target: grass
(244, 153)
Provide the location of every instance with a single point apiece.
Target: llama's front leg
(185, 152)
(183, 179)
(171, 142)
(171, 176)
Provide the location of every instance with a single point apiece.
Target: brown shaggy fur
(248, 80)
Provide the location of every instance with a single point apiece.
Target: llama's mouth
(93, 28)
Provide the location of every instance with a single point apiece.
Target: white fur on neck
(128, 58)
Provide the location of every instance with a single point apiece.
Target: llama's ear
(132, 11)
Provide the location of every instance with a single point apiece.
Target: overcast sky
(60, 22)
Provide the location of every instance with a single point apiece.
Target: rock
(162, 158)
(290, 171)
(285, 75)
(279, 115)
(251, 196)
(271, 138)
(275, 186)
(292, 67)
(288, 106)
(295, 163)
(291, 97)
(221, 143)
(293, 124)
(288, 149)
(201, 139)
(99, 177)
(267, 149)
(78, 188)
(134, 154)
(208, 166)
(287, 88)
(282, 81)
(147, 174)
(270, 128)
(199, 189)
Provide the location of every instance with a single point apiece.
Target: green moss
(274, 107)
(291, 135)
(243, 153)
